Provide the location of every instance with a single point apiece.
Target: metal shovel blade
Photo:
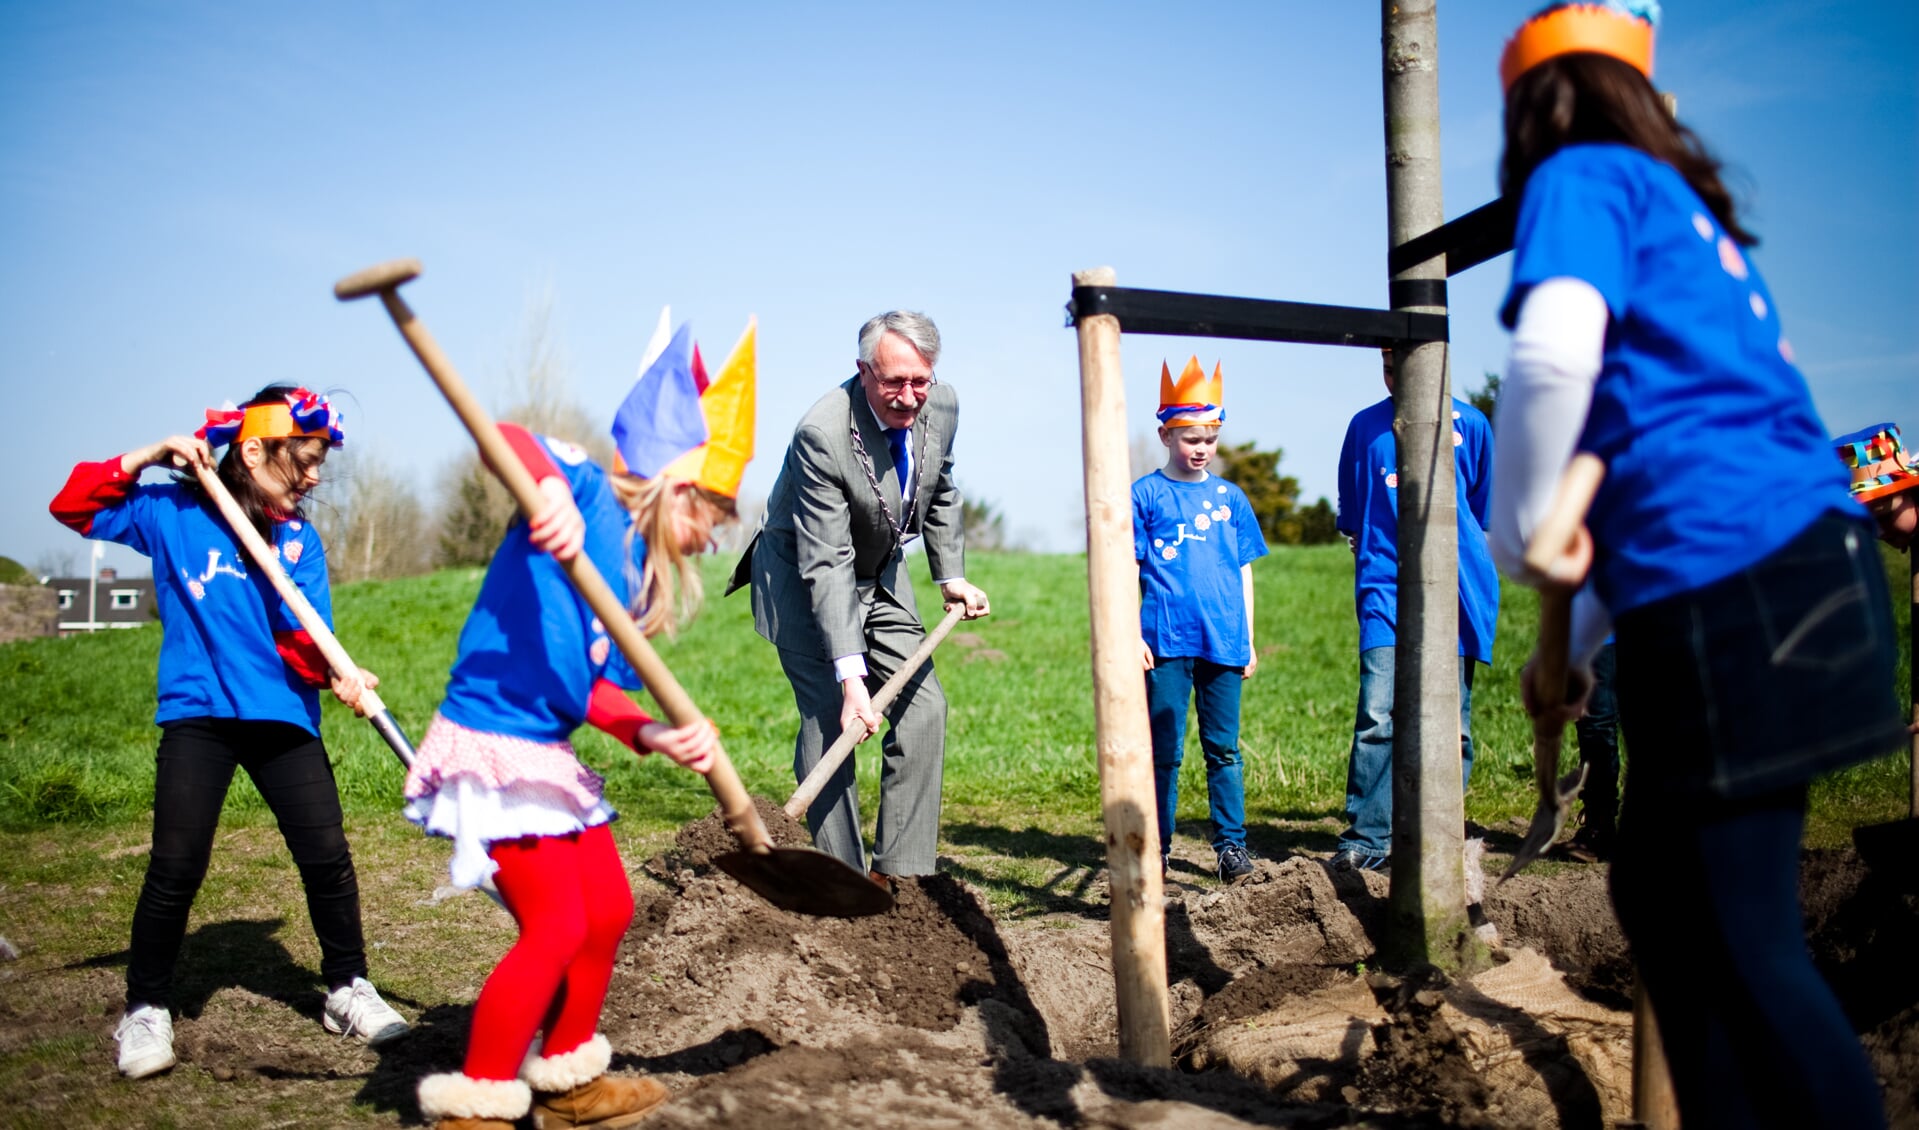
(1549, 819)
(806, 881)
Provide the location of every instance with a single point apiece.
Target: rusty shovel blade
(807, 882)
(1549, 819)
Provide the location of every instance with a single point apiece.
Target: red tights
(573, 902)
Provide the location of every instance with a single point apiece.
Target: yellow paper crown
(1194, 399)
(728, 405)
(1582, 27)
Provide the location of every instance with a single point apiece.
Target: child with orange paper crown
(237, 678)
(495, 772)
(1749, 607)
(1195, 538)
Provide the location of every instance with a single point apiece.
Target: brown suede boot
(572, 1090)
(455, 1102)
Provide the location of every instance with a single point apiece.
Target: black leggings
(289, 766)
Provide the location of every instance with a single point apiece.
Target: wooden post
(1654, 1105)
(1119, 698)
(1427, 908)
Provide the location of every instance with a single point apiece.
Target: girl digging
(496, 774)
(1753, 634)
(237, 679)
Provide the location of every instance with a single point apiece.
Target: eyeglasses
(893, 386)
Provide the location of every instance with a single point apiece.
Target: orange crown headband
(1576, 28)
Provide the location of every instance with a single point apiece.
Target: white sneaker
(145, 1036)
(356, 1010)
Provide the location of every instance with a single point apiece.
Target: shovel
(1555, 533)
(268, 562)
(829, 762)
(798, 879)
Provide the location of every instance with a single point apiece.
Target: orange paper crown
(728, 405)
(1195, 399)
(1575, 28)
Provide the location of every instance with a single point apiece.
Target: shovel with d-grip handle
(268, 562)
(1653, 1102)
(799, 879)
(1552, 537)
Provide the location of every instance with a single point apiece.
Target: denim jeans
(194, 766)
(1369, 770)
(1598, 732)
(1216, 691)
(1733, 696)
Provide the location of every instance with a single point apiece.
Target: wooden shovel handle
(829, 762)
(268, 562)
(736, 807)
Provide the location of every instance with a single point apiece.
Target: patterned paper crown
(1879, 461)
(300, 413)
(679, 424)
(1195, 399)
(1619, 28)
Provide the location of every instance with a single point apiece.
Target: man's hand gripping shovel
(799, 879)
(1560, 551)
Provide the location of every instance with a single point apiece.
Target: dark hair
(286, 456)
(1585, 97)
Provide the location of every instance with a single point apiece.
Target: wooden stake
(1119, 698)
(1654, 1105)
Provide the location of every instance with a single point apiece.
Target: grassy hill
(76, 737)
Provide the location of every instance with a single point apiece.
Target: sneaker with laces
(1354, 859)
(356, 1010)
(1235, 863)
(145, 1037)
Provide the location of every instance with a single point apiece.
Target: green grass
(76, 740)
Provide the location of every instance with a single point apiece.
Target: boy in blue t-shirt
(1195, 538)
(1369, 517)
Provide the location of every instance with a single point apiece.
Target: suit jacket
(825, 536)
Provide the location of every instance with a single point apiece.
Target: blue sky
(180, 184)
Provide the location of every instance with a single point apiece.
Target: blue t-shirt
(1190, 540)
(531, 649)
(1714, 455)
(1369, 514)
(217, 612)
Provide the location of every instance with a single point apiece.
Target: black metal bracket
(1484, 233)
(1253, 319)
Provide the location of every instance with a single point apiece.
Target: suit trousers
(912, 749)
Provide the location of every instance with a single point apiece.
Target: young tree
(1274, 497)
(1486, 397)
(984, 525)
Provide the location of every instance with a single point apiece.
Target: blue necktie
(896, 441)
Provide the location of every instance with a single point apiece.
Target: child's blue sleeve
(1246, 532)
(129, 524)
(1479, 465)
(303, 558)
(1140, 532)
(1575, 221)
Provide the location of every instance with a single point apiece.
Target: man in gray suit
(870, 468)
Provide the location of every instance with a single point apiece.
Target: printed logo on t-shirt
(1392, 477)
(1208, 515)
(292, 550)
(215, 568)
(599, 651)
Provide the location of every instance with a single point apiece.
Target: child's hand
(692, 746)
(179, 451)
(349, 687)
(558, 528)
(1252, 665)
(1579, 685)
(1145, 656)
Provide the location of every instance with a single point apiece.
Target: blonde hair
(667, 590)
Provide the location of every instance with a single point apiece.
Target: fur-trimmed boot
(572, 1089)
(455, 1102)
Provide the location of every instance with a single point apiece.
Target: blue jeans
(1369, 771)
(1216, 690)
(1733, 696)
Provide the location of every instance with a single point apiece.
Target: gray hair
(918, 330)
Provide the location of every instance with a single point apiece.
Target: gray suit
(828, 579)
